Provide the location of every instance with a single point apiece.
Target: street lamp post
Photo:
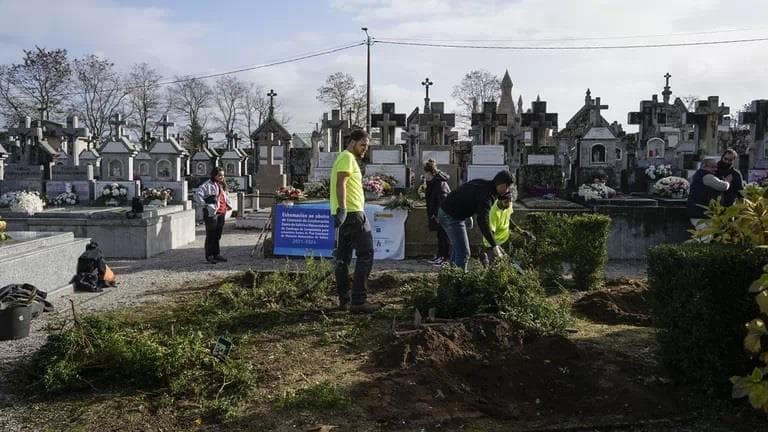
(368, 83)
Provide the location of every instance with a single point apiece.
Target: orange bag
(109, 276)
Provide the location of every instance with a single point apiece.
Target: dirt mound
(622, 301)
(483, 367)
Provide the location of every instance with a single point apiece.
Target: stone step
(254, 219)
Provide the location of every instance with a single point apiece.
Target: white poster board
(388, 229)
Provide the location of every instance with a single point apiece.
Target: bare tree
(228, 94)
(99, 93)
(477, 86)
(191, 98)
(145, 99)
(338, 90)
(39, 84)
(255, 107)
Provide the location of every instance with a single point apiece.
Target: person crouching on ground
(213, 196)
(472, 198)
(437, 190)
(354, 231)
(499, 220)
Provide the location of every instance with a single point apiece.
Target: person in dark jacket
(437, 190)
(705, 186)
(472, 198)
(725, 168)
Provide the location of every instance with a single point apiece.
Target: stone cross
(757, 119)
(165, 125)
(594, 112)
(667, 92)
(539, 120)
(487, 122)
(27, 139)
(71, 133)
(271, 95)
(388, 121)
(412, 138)
(707, 118)
(427, 84)
(334, 124)
(118, 123)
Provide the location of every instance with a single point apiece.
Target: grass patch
(315, 397)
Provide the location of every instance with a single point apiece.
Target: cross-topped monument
(594, 112)
(667, 92)
(335, 125)
(757, 119)
(486, 122)
(271, 95)
(71, 133)
(437, 124)
(27, 138)
(118, 123)
(427, 84)
(165, 124)
(707, 118)
(539, 120)
(388, 121)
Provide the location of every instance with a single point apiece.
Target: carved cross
(539, 120)
(27, 138)
(487, 122)
(706, 119)
(271, 95)
(594, 112)
(71, 132)
(117, 123)
(388, 121)
(165, 125)
(334, 124)
(412, 138)
(427, 84)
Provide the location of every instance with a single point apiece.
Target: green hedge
(700, 304)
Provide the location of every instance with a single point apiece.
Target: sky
(197, 37)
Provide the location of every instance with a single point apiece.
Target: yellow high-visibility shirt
(347, 163)
(499, 219)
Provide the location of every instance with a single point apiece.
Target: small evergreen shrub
(587, 249)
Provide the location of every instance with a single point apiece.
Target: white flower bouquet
(65, 199)
(595, 191)
(671, 187)
(28, 202)
(114, 194)
(156, 194)
(658, 171)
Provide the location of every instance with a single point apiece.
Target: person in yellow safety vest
(499, 221)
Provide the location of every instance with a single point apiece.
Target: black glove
(339, 217)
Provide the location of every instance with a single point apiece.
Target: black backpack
(87, 277)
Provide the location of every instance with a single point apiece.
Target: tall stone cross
(388, 121)
(165, 124)
(667, 92)
(539, 120)
(487, 122)
(707, 118)
(271, 95)
(71, 132)
(411, 136)
(27, 138)
(118, 123)
(427, 84)
(334, 125)
(594, 112)
(757, 119)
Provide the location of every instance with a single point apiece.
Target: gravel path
(141, 281)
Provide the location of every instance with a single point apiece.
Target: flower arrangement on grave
(3, 235)
(29, 202)
(378, 184)
(65, 199)
(114, 194)
(318, 189)
(289, 193)
(159, 194)
(658, 171)
(671, 187)
(595, 191)
(399, 202)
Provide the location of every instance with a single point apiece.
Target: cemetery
(607, 312)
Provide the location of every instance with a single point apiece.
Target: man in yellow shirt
(499, 220)
(354, 231)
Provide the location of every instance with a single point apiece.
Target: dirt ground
(621, 301)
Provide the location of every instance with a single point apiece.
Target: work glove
(498, 252)
(339, 217)
(469, 223)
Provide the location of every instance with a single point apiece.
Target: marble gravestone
(322, 164)
(77, 179)
(388, 160)
(487, 160)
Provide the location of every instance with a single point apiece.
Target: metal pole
(368, 83)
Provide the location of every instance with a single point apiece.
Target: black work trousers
(354, 234)
(214, 226)
(443, 245)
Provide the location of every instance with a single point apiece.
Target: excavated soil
(483, 366)
(622, 301)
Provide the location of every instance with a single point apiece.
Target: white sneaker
(438, 262)
(435, 259)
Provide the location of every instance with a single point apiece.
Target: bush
(587, 249)
(501, 288)
(548, 251)
(700, 300)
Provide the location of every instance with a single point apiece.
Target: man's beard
(723, 165)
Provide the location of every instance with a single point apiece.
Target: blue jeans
(457, 235)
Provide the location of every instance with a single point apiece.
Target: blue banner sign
(303, 230)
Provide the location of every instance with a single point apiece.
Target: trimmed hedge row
(700, 300)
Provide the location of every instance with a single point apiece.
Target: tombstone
(166, 164)
(28, 138)
(757, 119)
(444, 158)
(436, 124)
(117, 160)
(487, 160)
(707, 118)
(540, 122)
(78, 179)
(388, 121)
(233, 161)
(270, 134)
(203, 161)
(72, 145)
(271, 176)
(388, 160)
(23, 177)
(412, 137)
(334, 126)
(91, 157)
(142, 166)
(485, 124)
